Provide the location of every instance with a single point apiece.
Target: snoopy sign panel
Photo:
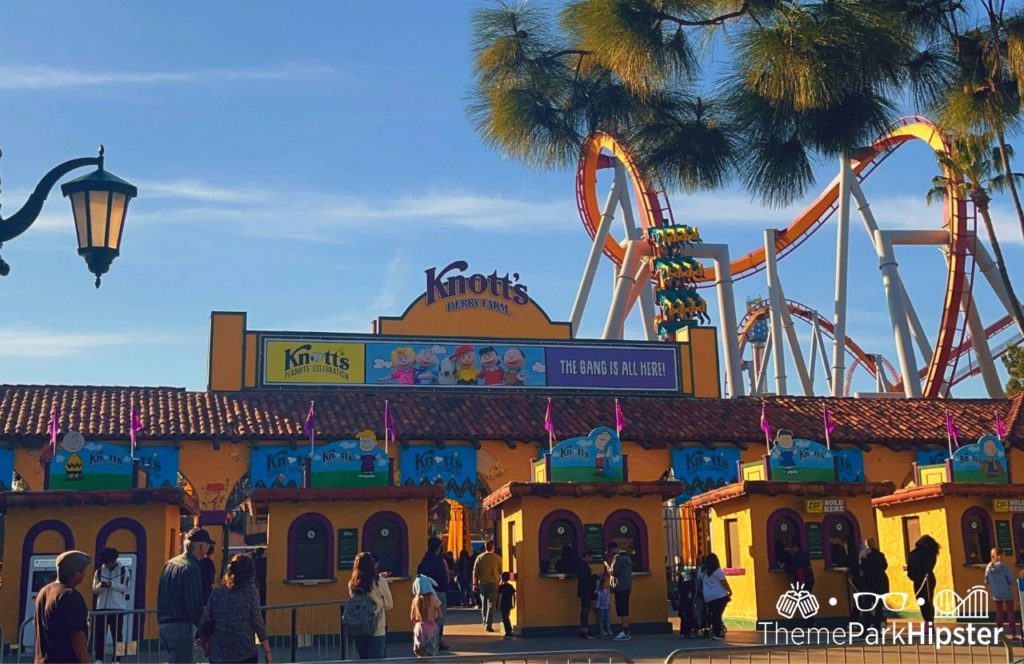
(596, 457)
(81, 465)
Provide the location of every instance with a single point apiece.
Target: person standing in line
(110, 588)
(366, 581)
(921, 571)
(506, 602)
(620, 570)
(604, 607)
(259, 560)
(232, 617)
(585, 589)
(61, 615)
(717, 593)
(436, 567)
(486, 577)
(209, 571)
(873, 579)
(424, 614)
(1001, 588)
(179, 599)
(464, 574)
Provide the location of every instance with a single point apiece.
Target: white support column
(842, 260)
(751, 376)
(920, 336)
(794, 341)
(898, 315)
(624, 283)
(988, 269)
(719, 253)
(594, 259)
(648, 312)
(775, 305)
(814, 352)
(824, 356)
(762, 371)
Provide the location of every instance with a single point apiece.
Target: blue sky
(305, 163)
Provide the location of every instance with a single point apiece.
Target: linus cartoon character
(990, 465)
(783, 449)
(426, 362)
(402, 361)
(466, 372)
(514, 361)
(602, 438)
(367, 447)
(73, 443)
(490, 367)
(446, 372)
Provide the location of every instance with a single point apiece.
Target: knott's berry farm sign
(457, 291)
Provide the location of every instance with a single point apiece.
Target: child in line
(506, 602)
(603, 603)
(424, 614)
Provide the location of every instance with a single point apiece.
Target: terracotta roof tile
(173, 413)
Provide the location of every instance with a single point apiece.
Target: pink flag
(830, 426)
(549, 424)
(135, 427)
(1000, 427)
(47, 452)
(765, 424)
(389, 421)
(309, 428)
(951, 428)
(620, 420)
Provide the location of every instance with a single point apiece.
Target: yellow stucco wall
(548, 601)
(227, 351)
(347, 514)
(85, 524)
(213, 473)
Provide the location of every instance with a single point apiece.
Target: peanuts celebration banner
(471, 363)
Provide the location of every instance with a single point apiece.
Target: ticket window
(978, 539)
(784, 528)
(42, 570)
(559, 537)
(842, 541)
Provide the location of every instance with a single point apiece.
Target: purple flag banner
(609, 368)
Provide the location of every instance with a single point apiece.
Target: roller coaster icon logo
(948, 604)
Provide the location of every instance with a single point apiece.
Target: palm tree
(972, 170)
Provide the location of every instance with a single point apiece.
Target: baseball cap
(70, 562)
(199, 535)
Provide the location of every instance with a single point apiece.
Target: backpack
(361, 615)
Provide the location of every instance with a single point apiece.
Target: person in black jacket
(873, 579)
(435, 566)
(921, 570)
(586, 587)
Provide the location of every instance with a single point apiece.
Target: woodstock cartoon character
(514, 360)
(73, 443)
(784, 450)
(603, 450)
(426, 366)
(446, 372)
(367, 458)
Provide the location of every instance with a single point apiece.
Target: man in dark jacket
(586, 587)
(179, 602)
(435, 566)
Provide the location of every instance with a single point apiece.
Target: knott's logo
(302, 359)
(449, 285)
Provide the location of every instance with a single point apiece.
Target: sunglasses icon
(869, 601)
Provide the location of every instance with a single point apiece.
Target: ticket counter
(539, 520)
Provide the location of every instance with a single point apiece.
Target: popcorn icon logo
(797, 600)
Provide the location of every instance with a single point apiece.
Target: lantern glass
(99, 202)
(81, 218)
(99, 207)
(118, 209)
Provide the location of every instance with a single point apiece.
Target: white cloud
(201, 191)
(22, 342)
(32, 77)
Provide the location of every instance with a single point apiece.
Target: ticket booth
(969, 506)
(580, 500)
(792, 496)
(144, 525)
(314, 534)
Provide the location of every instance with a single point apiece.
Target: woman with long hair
(921, 570)
(232, 616)
(365, 581)
(716, 592)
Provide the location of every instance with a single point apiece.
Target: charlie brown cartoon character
(402, 361)
(514, 359)
(784, 450)
(426, 361)
(990, 465)
(490, 367)
(601, 441)
(465, 365)
(367, 447)
(73, 443)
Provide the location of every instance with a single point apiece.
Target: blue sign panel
(6, 468)
(932, 457)
(79, 465)
(596, 457)
(700, 469)
(350, 463)
(850, 462)
(983, 462)
(275, 467)
(800, 460)
(160, 464)
(454, 468)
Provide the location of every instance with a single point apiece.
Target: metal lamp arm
(21, 220)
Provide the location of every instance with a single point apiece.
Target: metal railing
(551, 657)
(851, 654)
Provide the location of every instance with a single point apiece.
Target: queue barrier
(549, 657)
(850, 654)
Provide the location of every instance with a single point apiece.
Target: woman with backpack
(921, 570)
(364, 615)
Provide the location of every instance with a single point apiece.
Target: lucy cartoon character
(426, 366)
(367, 447)
(490, 367)
(402, 367)
(466, 372)
(783, 449)
(990, 464)
(602, 450)
(446, 372)
(514, 360)
(73, 443)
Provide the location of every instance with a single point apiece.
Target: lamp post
(99, 203)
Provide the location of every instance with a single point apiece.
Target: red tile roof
(176, 414)
(664, 490)
(266, 496)
(116, 497)
(927, 491)
(765, 488)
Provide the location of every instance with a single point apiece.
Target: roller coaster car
(667, 235)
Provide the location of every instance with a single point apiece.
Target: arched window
(559, 531)
(310, 548)
(978, 539)
(627, 529)
(386, 535)
(1018, 536)
(842, 540)
(785, 527)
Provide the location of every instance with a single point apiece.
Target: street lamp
(99, 203)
